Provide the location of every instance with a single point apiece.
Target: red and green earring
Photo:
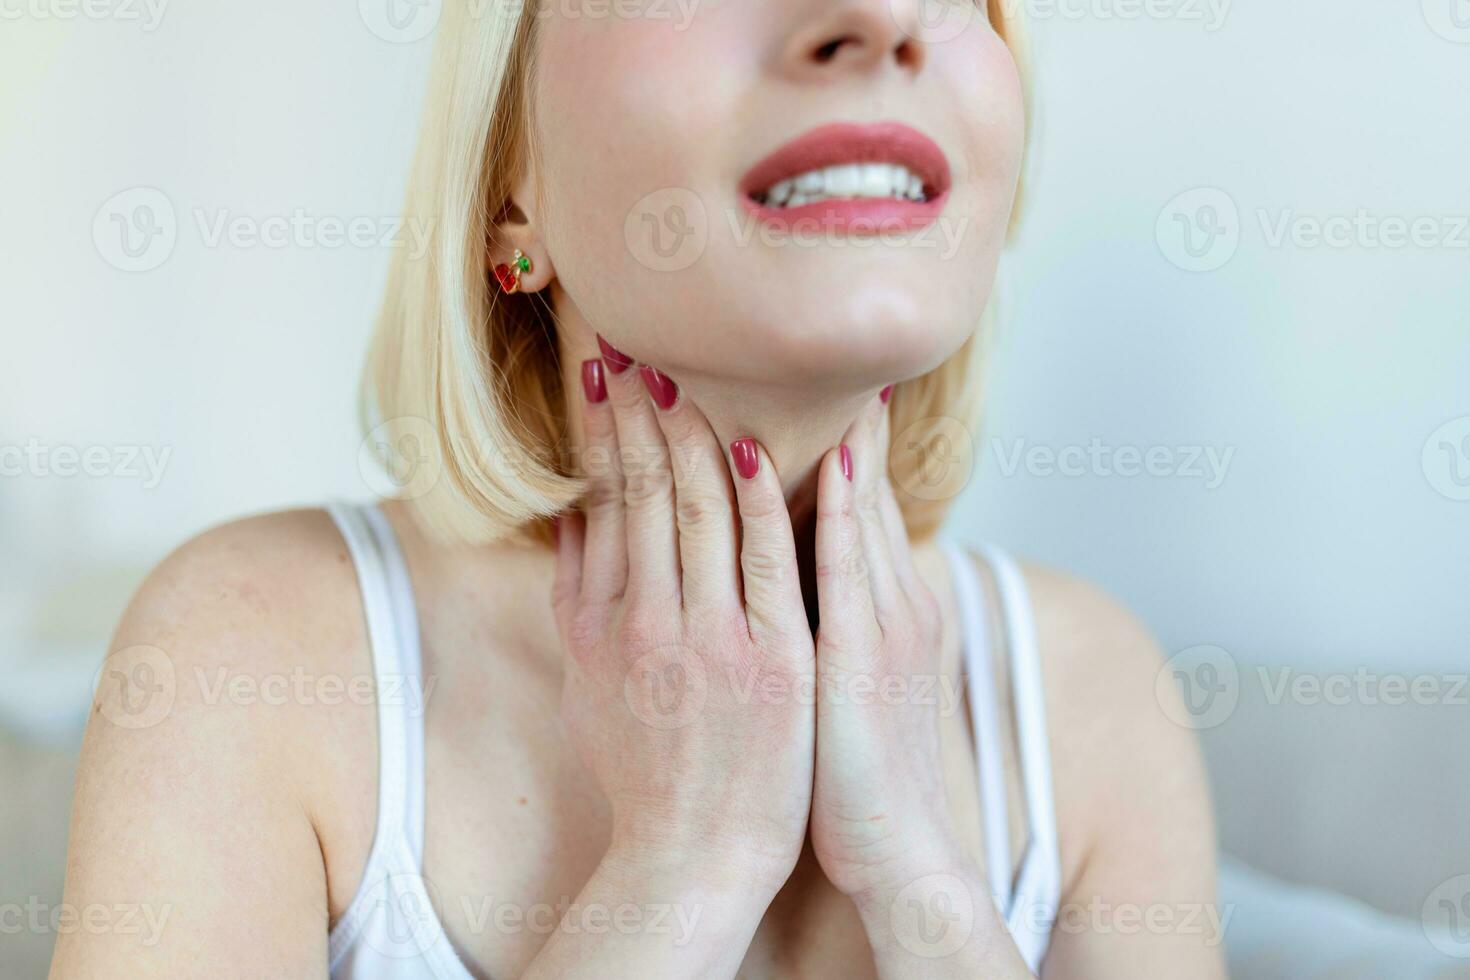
(509, 276)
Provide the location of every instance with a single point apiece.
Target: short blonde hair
(478, 373)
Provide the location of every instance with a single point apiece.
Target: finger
(566, 588)
(869, 472)
(769, 576)
(648, 490)
(895, 527)
(704, 502)
(604, 573)
(843, 594)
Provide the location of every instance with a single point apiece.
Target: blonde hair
(477, 374)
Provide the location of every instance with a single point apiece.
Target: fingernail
(663, 390)
(594, 383)
(616, 359)
(845, 455)
(747, 458)
(886, 394)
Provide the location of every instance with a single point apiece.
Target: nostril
(828, 51)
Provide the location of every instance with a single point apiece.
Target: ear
(510, 232)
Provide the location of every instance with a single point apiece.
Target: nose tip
(859, 36)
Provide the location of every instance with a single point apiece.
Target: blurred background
(1231, 384)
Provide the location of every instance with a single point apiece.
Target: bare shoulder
(1132, 796)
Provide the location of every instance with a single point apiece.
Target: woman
(686, 284)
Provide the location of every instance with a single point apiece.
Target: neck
(796, 425)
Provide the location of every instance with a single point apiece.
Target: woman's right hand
(689, 658)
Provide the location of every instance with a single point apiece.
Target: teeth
(853, 180)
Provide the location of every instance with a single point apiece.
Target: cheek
(625, 109)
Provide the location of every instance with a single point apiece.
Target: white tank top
(391, 931)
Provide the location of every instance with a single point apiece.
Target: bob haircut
(473, 378)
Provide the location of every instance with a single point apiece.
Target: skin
(792, 825)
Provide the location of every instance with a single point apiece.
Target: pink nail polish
(845, 455)
(594, 383)
(663, 390)
(616, 359)
(886, 394)
(747, 456)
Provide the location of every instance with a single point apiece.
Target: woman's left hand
(880, 822)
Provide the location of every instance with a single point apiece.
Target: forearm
(938, 920)
(632, 921)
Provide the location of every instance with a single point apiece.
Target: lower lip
(854, 216)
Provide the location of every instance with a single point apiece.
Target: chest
(515, 827)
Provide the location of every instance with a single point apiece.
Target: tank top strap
(393, 634)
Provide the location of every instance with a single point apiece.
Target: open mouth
(853, 177)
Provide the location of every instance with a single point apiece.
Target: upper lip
(839, 143)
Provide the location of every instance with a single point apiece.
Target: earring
(509, 276)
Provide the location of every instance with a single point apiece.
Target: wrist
(936, 908)
(692, 879)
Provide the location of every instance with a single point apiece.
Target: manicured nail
(663, 390)
(886, 394)
(616, 359)
(747, 456)
(845, 455)
(594, 383)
